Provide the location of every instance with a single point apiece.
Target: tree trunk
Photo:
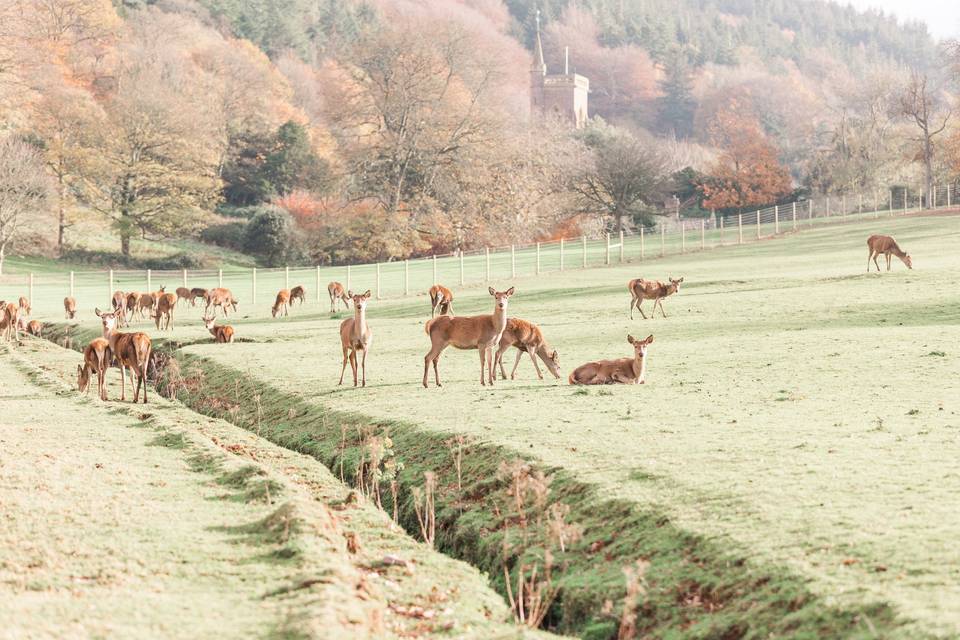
(3, 251)
(928, 169)
(125, 242)
(61, 210)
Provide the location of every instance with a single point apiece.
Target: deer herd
(490, 334)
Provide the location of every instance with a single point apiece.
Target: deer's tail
(571, 379)
(429, 324)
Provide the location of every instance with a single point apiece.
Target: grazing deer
(441, 299)
(165, 305)
(131, 350)
(147, 304)
(183, 294)
(34, 328)
(620, 371)
(887, 246)
(337, 293)
(221, 334)
(527, 338)
(355, 335)
(119, 303)
(655, 290)
(70, 307)
(9, 320)
(220, 297)
(196, 292)
(282, 303)
(96, 359)
(298, 293)
(468, 332)
(133, 305)
(25, 308)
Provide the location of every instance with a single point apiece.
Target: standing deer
(221, 334)
(96, 359)
(282, 303)
(70, 307)
(147, 304)
(441, 299)
(25, 308)
(655, 290)
(165, 305)
(620, 371)
(183, 294)
(196, 292)
(131, 350)
(133, 305)
(9, 320)
(527, 338)
(337, 293)
(298, 293)
(119, 303)
(468, 332)
(355, 335)
(887, 246)
(220, 297)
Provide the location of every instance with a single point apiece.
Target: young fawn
(337, 293)
(620, 371)
(527, 338)
(164, 307)
(96, 359)
(655, 290)
(281, 304)
(131, 350)
(468, 332)
(221, 334)
(298, 293)
(355, 335)
(441, 299)
(887, 246)
(70, 307)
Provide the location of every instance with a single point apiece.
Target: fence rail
(256, 288)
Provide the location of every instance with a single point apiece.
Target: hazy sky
(942, 16)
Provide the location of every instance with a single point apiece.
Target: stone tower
(557, 95)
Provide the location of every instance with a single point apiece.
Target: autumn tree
(25, 188)
(923, 103)
(748, 172)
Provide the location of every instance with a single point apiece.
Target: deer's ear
(510, 291)
(366, 294)
(349, 293)
(649, 339)
(97, 311)
(680, 280)
(631, 339)
(492, 292)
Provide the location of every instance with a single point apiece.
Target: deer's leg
(889, 259)
(450, 308)
(483, 363)
(633, 303)
(875, 256)
(123, 387)
(660, 302)
(343, 368)
(353, 365)
(533, 358)
(640, 308)
(363, 363)
(500, 350)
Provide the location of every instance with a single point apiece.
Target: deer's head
(109, 320)
(208, 322)
(83, 378)
(640, 346)
(908, 261)
(675, 283)
(553, 363)
(359, 301)
(501, 297)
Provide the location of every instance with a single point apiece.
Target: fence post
(538, 259)
(253, 293)
(513, 261)
(406, 277)
(583, 244)
(286, 277)
(110, 285)
(776, 219)
(561, 254)
(641, 242)
(435, 281)
(828, 206)
(606, 260)
(30, 289)
(948, 195)
(149, 281)
(703, 233)
(220, 277)
(184, 278)
(662, 240)
(318, 284)
(348, 278)
(721, 230)
(758, 224)
(378, 281)
(794, 214)
(71, 284)
(683, 237)
(739, 228)
(461, 267)
(487, 251)
(843, 205)
(621, 246)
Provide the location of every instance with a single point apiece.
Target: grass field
(797, 411)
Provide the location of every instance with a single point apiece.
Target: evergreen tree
(293, 163)
(675, 109)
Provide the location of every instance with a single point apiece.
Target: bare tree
(923, 103)
(25, 188)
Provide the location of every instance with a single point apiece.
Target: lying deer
(887, 246)
(355, 335)
(70, 307)
(441, 299)
(96, 359)
(131, 350)
(220, 297)
(527, 338)
(298, 293)
(468, 332)
(655, 290)
(34, 328)
(164, 306)
(221, 334)
(337, 293)
(282, 303)
(621, 371)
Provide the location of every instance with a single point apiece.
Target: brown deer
(164, 307)
(183, 294)
(282, 303)
(527, 338)
(441, 299)
(147, 304)
(34, 328)
(70, 307)
(355, 335)
(655, 290)
(96, 359)
(133, 305)
(119, 303)
(468, 332)
(221, 334)
(887, 246)
(131, 350)
(620, 371)
(9, 320)
(337, 293)
(25, 307)
(195, 293)
(219, 297)
(298, 293)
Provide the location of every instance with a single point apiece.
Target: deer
(468, 332)
(282, 303)
(164, 307)
(70, 307)
(96, 359)
(35, 328)
(196, 292)
(355, 335)
(131, 350)
(655, 290)
(527, 338)
(183, 293)
(221, 334)
(298, 293)
(441, 299)
(220, 297)
(133, 305)
(119, 303)
(25, 307)
(877, 244)
(620, 371)
(337, 293)
(9, 320)
(147, 303)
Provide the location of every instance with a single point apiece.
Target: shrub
(112, 259)
(228, 234)
(271, 236)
